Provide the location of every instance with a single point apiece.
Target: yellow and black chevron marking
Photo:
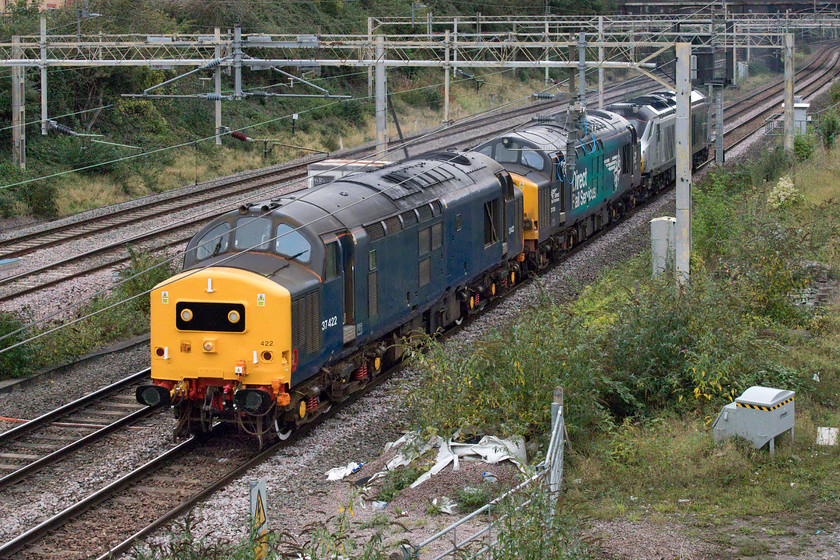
(765, 408)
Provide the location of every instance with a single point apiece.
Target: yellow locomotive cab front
(530, 199)
(220, 334)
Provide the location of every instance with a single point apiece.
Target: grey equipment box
(758, 415)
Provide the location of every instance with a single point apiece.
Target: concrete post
(545, 56)
(446, 71)
(18, 108)
(367, 55)
(571, 70)
(790, 130)
(44, 117)
(719, 154)
(734, 54)
(662, 234)
(381, 100)
(217, 83)
(600, 63)
(683, 138)
(237, 62)
(582, 70)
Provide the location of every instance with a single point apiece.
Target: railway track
(213, 200)
(51, 437)
(822, 74)
(152, 489)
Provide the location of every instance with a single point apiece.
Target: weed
(397, 481)
(470, 498)
(19, 361)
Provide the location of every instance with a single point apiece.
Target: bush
(19, 361)
(828, 127)
(803, 147)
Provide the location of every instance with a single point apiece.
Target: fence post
(555, 461)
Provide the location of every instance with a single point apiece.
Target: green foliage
(430, 97)
(398, 480)
(534, 531)
(121, 314)
(470, 498)
(19, 361)
(828, 127)
(803, 147)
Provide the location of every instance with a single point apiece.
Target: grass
(79, 191)
(104, 326)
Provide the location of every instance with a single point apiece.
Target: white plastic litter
(827, 436)
(341, 472)
(444, 505)
(489, 449)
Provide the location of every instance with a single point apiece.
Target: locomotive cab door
(332, 301)
(338, 315)
(348, 271)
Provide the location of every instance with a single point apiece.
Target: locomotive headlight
(233, 316)
(209, 345)
(186, 315)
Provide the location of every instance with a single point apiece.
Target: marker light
(186, 315)
(233, 316)
(209, 345)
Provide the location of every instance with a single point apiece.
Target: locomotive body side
(654, 118)
(560, 210)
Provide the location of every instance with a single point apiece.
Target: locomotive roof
(658, 103)
(551, 136)
(370, 196)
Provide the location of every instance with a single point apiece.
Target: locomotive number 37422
(327, 323)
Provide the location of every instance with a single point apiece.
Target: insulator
(214, 96)
(259, 94)
(361, 373)
(542, 95)
(543, 118)
(239, 136)
(212, 64)
(63, 129)
(311, 403)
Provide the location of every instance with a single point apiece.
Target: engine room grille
(425, 212)
(393, 225)
(375, 231)
(544, 209)
(409, 218)
(373, 295)
(306, 312)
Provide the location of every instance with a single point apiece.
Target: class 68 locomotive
(290, 305)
